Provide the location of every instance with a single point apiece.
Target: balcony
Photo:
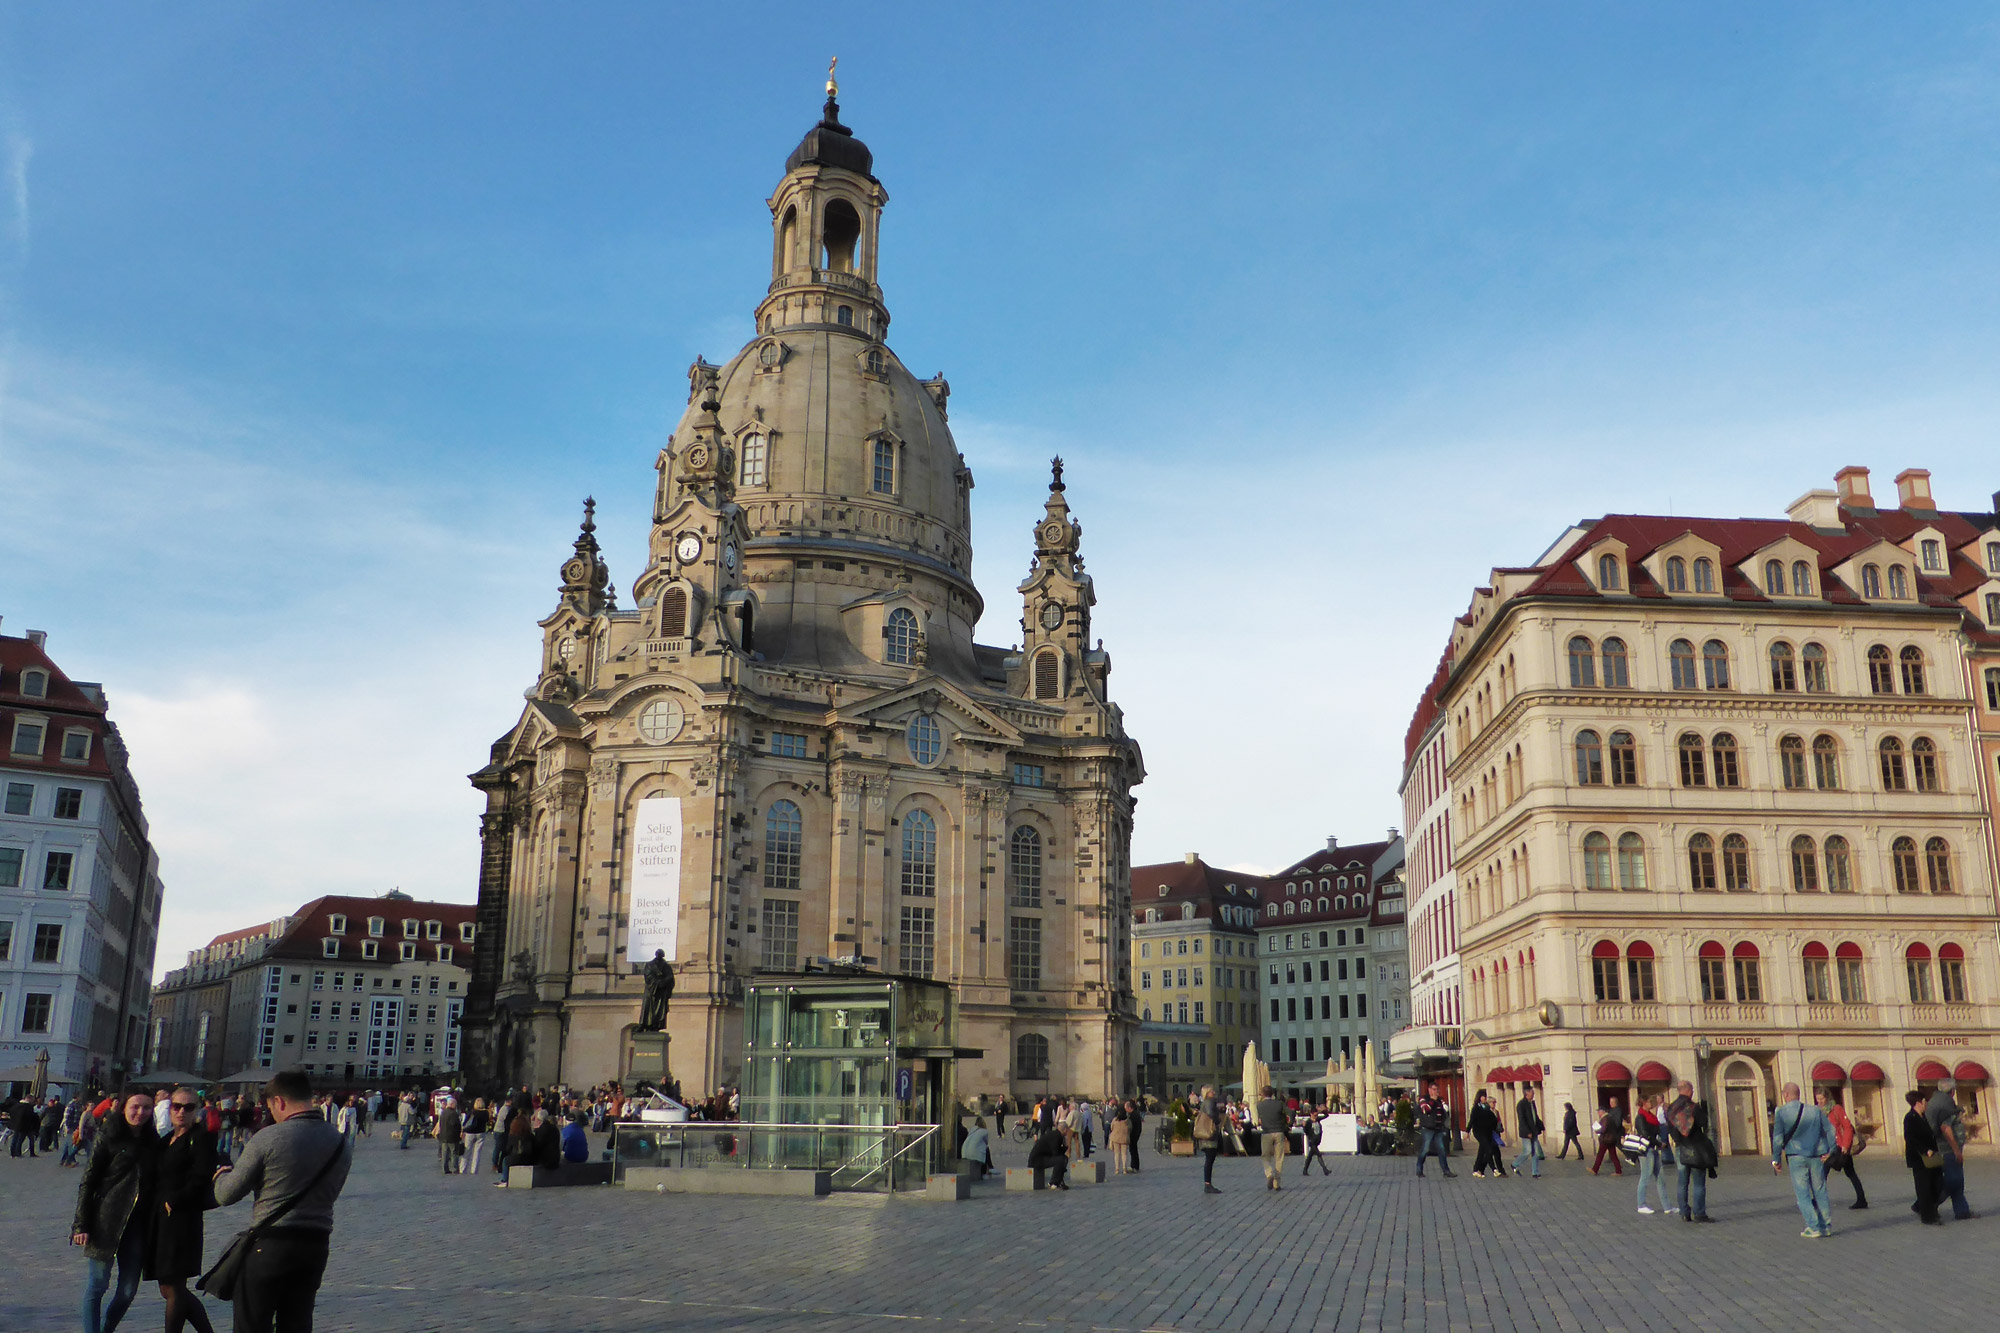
(1840, 1015)
(1617, 1014)
(1723, 1012)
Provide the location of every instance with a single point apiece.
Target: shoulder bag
(1204, 1126)
(220, 1281)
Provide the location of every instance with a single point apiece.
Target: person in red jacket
(1843, 1137)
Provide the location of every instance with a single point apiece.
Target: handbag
(220, 1281)
(1635, 1144)
(1204, 1125)
(1933, 1160)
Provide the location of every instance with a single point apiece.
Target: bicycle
(1163, 1137)
(1023, 1131)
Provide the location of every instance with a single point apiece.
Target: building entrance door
(1741, 1106)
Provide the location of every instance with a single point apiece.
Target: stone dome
(832, 144)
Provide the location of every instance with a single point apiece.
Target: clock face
(729, 558)
(1052, 616)
(566, 647)
(660, 721)
(688, 549)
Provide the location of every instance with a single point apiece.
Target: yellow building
(1194, 961)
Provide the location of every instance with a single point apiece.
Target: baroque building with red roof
(789, 746)
(79, 880)
(1723, 808)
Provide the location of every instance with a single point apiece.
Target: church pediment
(938, 695)
(541, 722)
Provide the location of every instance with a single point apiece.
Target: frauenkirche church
(789, 745)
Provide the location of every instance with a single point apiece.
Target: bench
(729, 1180)
(550, 1177)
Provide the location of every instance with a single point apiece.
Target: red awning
(1826, 1071)
(1866, 1071)
(1931, 1070)
(1613, 1072)
(1970, 1071)
(1501, 1075)
(1655, 1072)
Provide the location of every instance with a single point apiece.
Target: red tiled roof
(66, 706)
(1199, 883)
(248, 932)
(314, 924)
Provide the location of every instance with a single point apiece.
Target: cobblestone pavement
(1372, 1247)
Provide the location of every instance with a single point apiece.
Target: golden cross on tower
(832, 86)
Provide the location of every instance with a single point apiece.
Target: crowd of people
(1810, 1142)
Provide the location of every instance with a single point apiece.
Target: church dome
(832, 144)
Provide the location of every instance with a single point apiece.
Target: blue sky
(317, 324)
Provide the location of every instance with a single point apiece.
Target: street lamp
(1703, 1048)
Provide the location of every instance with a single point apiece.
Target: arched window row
(1637, 984)
(1604, 868)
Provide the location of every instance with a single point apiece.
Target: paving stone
(1369, 1247)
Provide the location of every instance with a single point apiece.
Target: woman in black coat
(1920, 1139)
(113, 1202)
(186, 1173)
(1484, 1126)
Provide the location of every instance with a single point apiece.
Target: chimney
(1816, 509)
(1913, 489)
(38, 637)
(1192, 858)
(1392, 833)
(1852, 483)
(1333, 844)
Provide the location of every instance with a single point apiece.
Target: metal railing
(860, 1158)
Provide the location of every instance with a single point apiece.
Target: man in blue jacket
(1801, 1140)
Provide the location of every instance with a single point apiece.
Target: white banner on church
(654, 888)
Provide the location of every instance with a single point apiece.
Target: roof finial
(832, 85)
(590, 513)
(831, 117)
(1055, 469)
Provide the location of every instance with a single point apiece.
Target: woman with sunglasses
(187, 1165)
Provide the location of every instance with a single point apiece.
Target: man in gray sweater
(298, 1159)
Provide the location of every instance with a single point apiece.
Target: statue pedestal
(648, 1060)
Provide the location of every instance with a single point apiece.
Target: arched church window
(885, 465)
(673, 613)
(843, 237)
(784, 840)
(919, 854)
(1024, 866)
(844, 316)
(752, 469)
(924, 738)
(1048, 675)
(901, 633)
(1031, 1056)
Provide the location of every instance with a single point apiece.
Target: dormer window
(329, 948)
(752, 469)
(901, 635)
(1871, 581)
(368, 951)
(76, 745)
(1802, 581)
(1677, 574)
(337, 924)
(1993, 557)
(408, 951)
(433, 930)
(375, 925)
(35, 684)
(885, 467)
(1933, 553)
(1608, 579)
(1704, 575)
(465, 929)
(444, 953)
(410, 928)
(1899, 583)
(1774, 578)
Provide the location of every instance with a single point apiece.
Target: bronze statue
(659, 989)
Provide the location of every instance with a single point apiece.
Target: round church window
(661, 720)
(926, 740)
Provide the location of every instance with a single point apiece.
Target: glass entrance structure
(851, 1074)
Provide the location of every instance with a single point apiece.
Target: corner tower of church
(795, 713)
